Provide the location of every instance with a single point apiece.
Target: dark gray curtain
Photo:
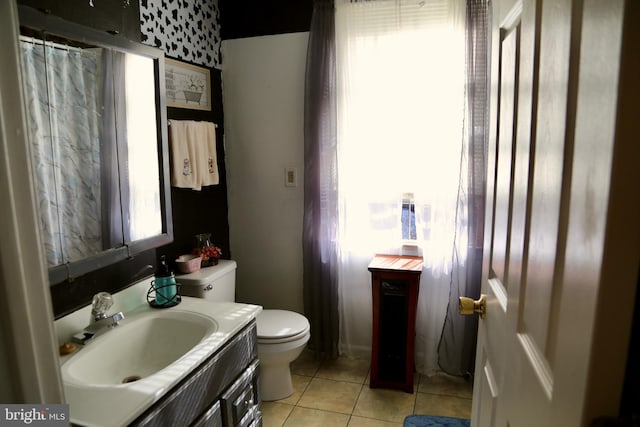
(120, 105)
(320, 253)
(112, 227)
(456, 351)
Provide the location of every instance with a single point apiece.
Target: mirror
(97, 126)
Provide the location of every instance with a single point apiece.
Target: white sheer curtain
(144, 195)
(401, 79)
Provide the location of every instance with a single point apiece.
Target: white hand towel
(193, 154)
(208, 166)
(183, 154)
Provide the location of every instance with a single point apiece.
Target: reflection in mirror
(97, 125)
(65, 90)
(144, 208)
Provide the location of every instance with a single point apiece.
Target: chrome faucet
(100, 322)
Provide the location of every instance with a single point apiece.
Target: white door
(28, 348)
(561, 235)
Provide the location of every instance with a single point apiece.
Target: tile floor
(337, 394)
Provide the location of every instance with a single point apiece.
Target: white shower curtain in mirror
(401, 80)
(62, 89)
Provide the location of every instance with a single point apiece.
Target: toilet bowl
(282, 334)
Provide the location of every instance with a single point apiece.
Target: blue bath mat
(432, 421)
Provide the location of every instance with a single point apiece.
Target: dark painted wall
(189, 31)
(116, 17)
(205, 211)
(252, 18)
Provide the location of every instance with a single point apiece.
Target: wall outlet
(290, 177)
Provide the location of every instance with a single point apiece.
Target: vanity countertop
(118, 405)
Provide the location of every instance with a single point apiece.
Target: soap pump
(165, 286)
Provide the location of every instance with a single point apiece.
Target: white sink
(138, 348)
(160, 346)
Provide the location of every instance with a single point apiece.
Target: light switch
(291, 177)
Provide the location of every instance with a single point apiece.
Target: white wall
(263, 98)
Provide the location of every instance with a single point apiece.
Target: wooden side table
(395, 284)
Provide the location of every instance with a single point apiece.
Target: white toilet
(282, 334)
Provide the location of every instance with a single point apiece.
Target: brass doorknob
(468, 306)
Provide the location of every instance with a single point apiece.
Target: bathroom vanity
(222, 391)
(191, 365)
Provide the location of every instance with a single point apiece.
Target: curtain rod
(215, 125)
(33, 40)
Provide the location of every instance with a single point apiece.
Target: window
(408, 217)
(400, 68)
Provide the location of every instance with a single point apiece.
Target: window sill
(410, 247)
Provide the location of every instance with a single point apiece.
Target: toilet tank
(215, 283)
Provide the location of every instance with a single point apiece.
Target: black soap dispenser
(165, 286)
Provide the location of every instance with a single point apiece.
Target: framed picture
(187, 86)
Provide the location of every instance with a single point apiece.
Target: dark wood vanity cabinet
(222, 392)
(395, 283)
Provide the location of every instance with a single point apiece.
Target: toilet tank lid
(280, 324)
(207, 275)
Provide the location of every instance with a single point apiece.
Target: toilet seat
(280, 326)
